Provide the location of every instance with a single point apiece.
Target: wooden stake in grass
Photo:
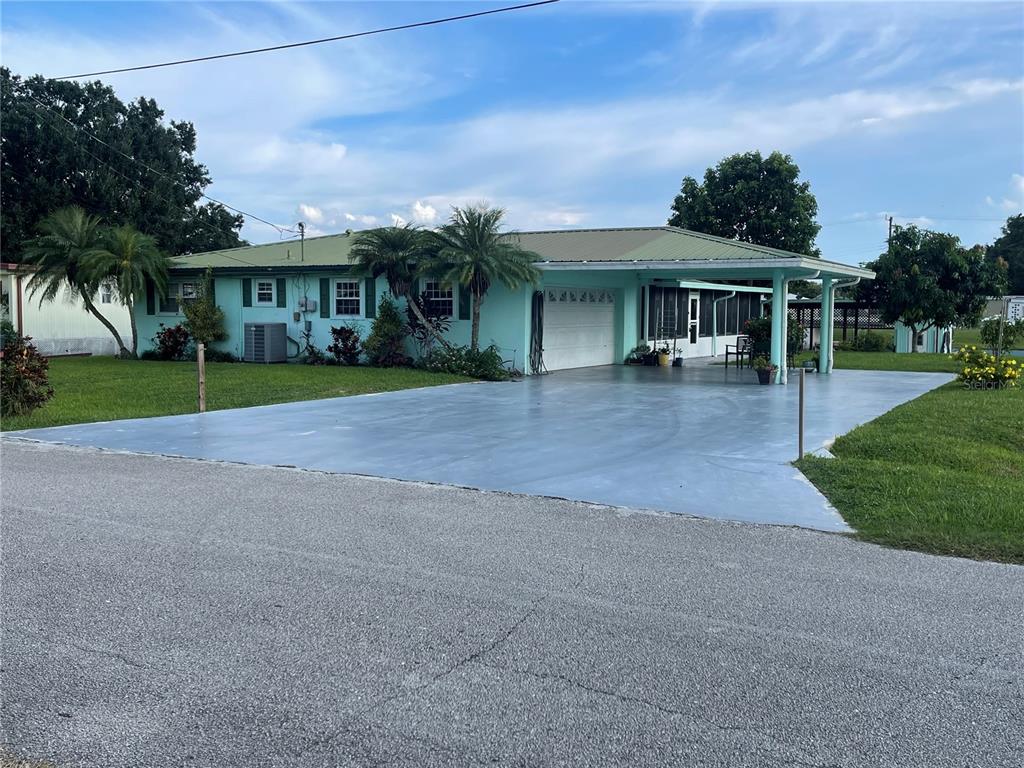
(201, 365)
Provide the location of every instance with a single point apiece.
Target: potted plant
(637, 354)
(664, 355)
(765, 369)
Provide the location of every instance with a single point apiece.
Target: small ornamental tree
(204, 320)
(928, 279)
(385, 346)
(999, 335)
(24, 374)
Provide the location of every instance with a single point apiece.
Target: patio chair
(741, 350)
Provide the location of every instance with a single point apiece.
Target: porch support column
(825, 332)
(780, 307)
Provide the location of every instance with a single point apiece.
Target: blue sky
(573, 115)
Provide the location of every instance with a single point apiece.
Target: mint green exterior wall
(503, 319)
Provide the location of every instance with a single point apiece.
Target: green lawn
(965, 336)
(943, 473)
(104, 388)
(888, 361)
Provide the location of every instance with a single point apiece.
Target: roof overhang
(791, 268)
(704, 285)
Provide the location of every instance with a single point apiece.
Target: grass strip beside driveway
(943, 474)
(104, 388)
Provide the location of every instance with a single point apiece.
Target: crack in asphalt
(84, 648)
(475, 656)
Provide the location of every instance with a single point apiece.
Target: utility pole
(888, 240)
(302, 241)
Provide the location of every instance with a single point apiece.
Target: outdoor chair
(741, 350)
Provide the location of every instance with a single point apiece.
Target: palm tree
(470, 250)
(128, 260)
(68, 237)
(397, 253)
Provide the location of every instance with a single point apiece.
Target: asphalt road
(166, 612)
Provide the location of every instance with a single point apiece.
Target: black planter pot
(764, 377)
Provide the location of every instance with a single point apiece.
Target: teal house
(602, 292)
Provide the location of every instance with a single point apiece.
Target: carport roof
(640, 247)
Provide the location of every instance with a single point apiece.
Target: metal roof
(566, 247)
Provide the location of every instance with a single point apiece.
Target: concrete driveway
(700, 440)
(165, 612)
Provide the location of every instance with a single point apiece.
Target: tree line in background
(47, 164)
(924, 278)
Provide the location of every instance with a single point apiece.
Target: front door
(694, 308)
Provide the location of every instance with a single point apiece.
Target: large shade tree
(751, 198)
(47, 163)
(398, 255)
(1008, 249)
(928, 279)
(127, 260)
(472, 251)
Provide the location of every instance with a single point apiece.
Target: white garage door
(579, 327)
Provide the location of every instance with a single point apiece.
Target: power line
(161, 174)
(883, 220)
(135, 183)
(319, 41)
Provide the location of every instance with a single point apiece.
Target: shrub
(759, 329)
(483, 364)
(1012, 333)
(212, 355)
(979, 369)
(346, 346)
(869, 341)
(204, 320)
(171, 342)
(24, 374)
(311, 354)
(385, 346)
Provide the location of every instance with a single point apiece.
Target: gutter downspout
(832, 301)
(714, 321)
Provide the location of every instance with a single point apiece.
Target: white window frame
(272, 302)
(361, 285)
(454, 289)
(176, 291)
(106, 293)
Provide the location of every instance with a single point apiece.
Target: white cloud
(1012, 204)
(423, 213)
(397, 221)
(364, 219)
(310, 213)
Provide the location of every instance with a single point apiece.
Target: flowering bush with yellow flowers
(980, 370)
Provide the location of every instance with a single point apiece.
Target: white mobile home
(62, 326)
